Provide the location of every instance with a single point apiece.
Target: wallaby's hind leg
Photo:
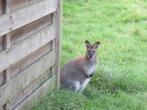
(71, 85)
(83, 86)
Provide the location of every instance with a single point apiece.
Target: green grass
(120, 82)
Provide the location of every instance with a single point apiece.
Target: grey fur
(77, 71)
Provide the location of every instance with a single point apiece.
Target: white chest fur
(90, 68)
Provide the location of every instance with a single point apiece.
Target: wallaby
(76, 74)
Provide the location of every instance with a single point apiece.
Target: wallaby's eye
(91, 51)
(88, 51)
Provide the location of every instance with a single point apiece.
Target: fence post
(58, 24)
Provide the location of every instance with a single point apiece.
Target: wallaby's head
(91, 49)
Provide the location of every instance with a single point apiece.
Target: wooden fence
(29, 51)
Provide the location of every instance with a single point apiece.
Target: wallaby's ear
(96, 45)
(87, 43)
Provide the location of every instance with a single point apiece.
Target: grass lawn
(120, 82)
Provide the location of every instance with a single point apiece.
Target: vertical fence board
(1, 44)
(1, 8)
(58, 18)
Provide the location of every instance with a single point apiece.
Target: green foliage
(120, 80)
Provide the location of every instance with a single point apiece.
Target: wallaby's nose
(90, 54)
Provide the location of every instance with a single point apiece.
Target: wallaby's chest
(90, 68)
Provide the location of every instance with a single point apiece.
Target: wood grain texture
(7, 44)
(27, 30)
(25, 47)
(1, 44)
(30, 32)
(58, 23)
(1, 78)
(36, 96)
(1, 7)
(29, 60)
(18, 84)
(17, 4)
(21, 17)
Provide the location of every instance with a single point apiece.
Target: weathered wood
(6, 6)
(25, 47)
(1, 37)
(33, 1)
(1, 7)
(1, 44)
(58, 19)
(7, 43)
(31, 28)
(30, 33)
(36, 96)
(16, 4)
(31, 87)
(19, 18)
(4, 107)
(24, 79)
(1, 78)
(30, 59)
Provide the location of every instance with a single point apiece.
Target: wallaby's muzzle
(90, 53)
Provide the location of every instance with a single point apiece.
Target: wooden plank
(19, 18)
(17, 84)
(16, 4)
(30, 59)
(33, 1)
(7, 44)
(6, 6)
(1, 44)
(25, 47)
(7, 41)
(31, 28)
(1, 7)
(31, 87)
(1, 78)
(36, 96)
(58, 19)
(4, 107)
